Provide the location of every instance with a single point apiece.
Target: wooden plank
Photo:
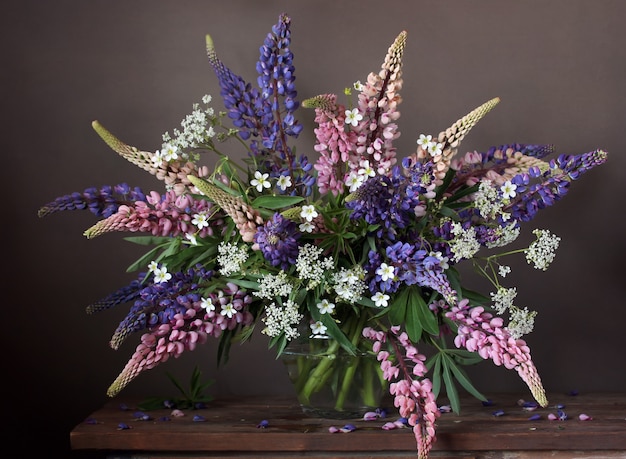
(230, 428)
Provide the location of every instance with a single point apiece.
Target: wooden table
(230, 429)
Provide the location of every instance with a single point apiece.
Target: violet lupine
(102, 202)
(412, 391)
(552, 184)
(122, 295)
(166, 215)
(156, 303)
(266, 115)
(278, 241)
(480, 332)
(173, 173)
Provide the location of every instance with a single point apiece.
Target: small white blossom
(161, 275)
(308, 213)
(326, 307)
(508, 190)
(169, 152)
(354, 181)
(306, 227)
(157, 158)
(353, 117)
(228, 310)
(366, 170)
(191, 238)
(435, 148)
(260, 181)
(318, 328)
(386, 272)
(201, 220)
(443, 261)
(153, 266)
(358, 85)
(207, 305)
(425, 141)
(284, 182)
(381, 299)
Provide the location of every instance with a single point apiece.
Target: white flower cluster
(279, 319)
(348, 283)
(197, 128)
(503, 299)
(309, 265)
(521, 322)
(542, 252)
(465, 244)
(271, 286)
(231, 257)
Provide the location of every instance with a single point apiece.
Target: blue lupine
(278, 241)
(102, 202)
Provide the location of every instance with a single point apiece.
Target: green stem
(348, 378)
(318, 376)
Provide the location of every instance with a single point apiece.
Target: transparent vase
(331, 383)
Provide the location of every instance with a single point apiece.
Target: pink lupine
(479, 331)
(160, 215)
(413, 395)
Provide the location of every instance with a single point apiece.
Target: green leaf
(463, 379)
(397, 308)
(144, 260)
(276, 202)
(148, 240)
(427, 319)
(413, 323)
(451, 391)
(435, 363)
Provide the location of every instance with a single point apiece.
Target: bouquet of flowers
(359, 247)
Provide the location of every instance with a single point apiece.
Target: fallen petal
(498, 413)
(123, 426)
(348, 428)
(333, 429)
(370, 416)
(552, 417)
(584, 417)
(389, 426)
(263, 424)
(177, 413)
(198, 418)
(534, 417)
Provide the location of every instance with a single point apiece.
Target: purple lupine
(278, 241)
(102, 202)
(553, 184)
(122, 295)
(265, 116)
(157, 303)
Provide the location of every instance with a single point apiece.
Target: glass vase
(331, 383)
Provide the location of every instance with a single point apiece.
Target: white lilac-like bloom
(521, 322)
(272, 286)
(310, 267)
(197, 128)
(348, 283)
(464, 245)
(282, 319)
(231, 257)
(504, 270)
(503, 236)
(503, 299)
(542, 252)
(487, 200)
(260, 181)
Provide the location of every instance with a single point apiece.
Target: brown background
(138, 66)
